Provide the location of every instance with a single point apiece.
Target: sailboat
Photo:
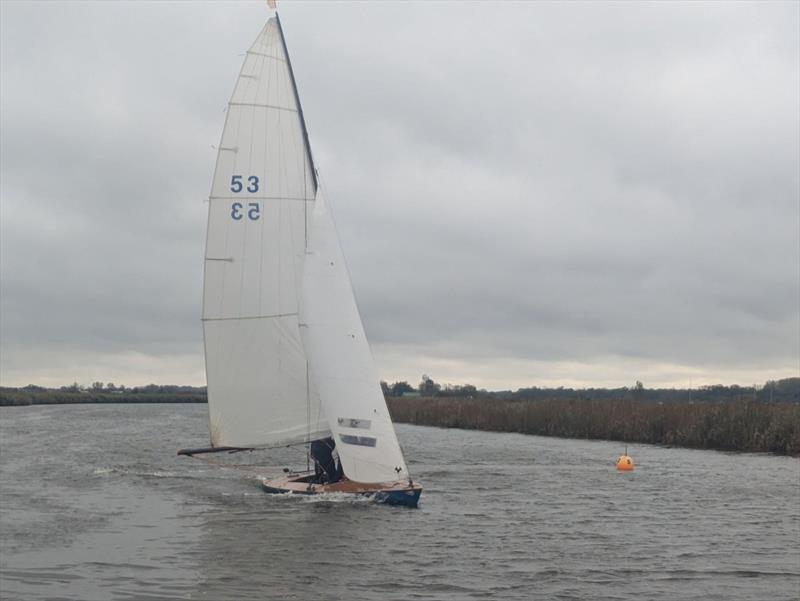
(287, 358)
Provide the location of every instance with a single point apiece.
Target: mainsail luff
(255, 364)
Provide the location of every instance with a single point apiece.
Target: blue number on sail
(236, 183)
(235, 208)
(253, 187)
(254, 211)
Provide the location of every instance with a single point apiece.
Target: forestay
(264, 182)
(341, 363)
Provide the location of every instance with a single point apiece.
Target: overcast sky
(527, 193)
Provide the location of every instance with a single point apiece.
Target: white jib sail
(258, 383)
(341, 362)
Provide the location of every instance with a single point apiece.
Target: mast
(313, 174)
(299, 105)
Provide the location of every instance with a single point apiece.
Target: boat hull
(391, 493)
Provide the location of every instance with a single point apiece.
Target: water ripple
(117, 515)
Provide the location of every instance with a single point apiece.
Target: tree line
(731, 418)
(778, 391)
(786, 390)
(98, 392)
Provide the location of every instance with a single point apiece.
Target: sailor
(325, 466)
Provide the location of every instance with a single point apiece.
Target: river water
(95, 504)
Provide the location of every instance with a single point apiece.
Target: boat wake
(326, 497)
(110, 471)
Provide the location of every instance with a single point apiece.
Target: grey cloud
(553, 182)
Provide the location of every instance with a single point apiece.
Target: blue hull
(407, 498)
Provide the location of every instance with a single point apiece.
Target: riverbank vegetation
(739, 425)
(785, 390)
(728, 418)
(100, 393)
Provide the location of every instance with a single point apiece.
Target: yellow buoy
(625, 464)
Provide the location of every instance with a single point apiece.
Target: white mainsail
(258, 382)
(284, 342)
(341, 363)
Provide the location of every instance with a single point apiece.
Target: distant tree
(638, 391)
(427, 387)
(787, 389)
(458, 390)
(398, 388)
(97, 386)
(110, 387)
(467, 390)
(385, 388)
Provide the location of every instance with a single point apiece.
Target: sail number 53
(238, 210)
(237, 184)
(253, 211)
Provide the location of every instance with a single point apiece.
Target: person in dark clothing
(327, 471)
(339, 471)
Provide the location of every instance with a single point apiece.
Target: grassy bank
(10, 397)
(739, 425)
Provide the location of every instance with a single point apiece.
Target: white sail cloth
(284, 342)
(258, 385)
(340, 360)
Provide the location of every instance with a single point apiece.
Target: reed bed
(740, 425)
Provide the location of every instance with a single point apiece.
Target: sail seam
(263, 105)
(276, 315)
(254, 197)
(277, 58)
